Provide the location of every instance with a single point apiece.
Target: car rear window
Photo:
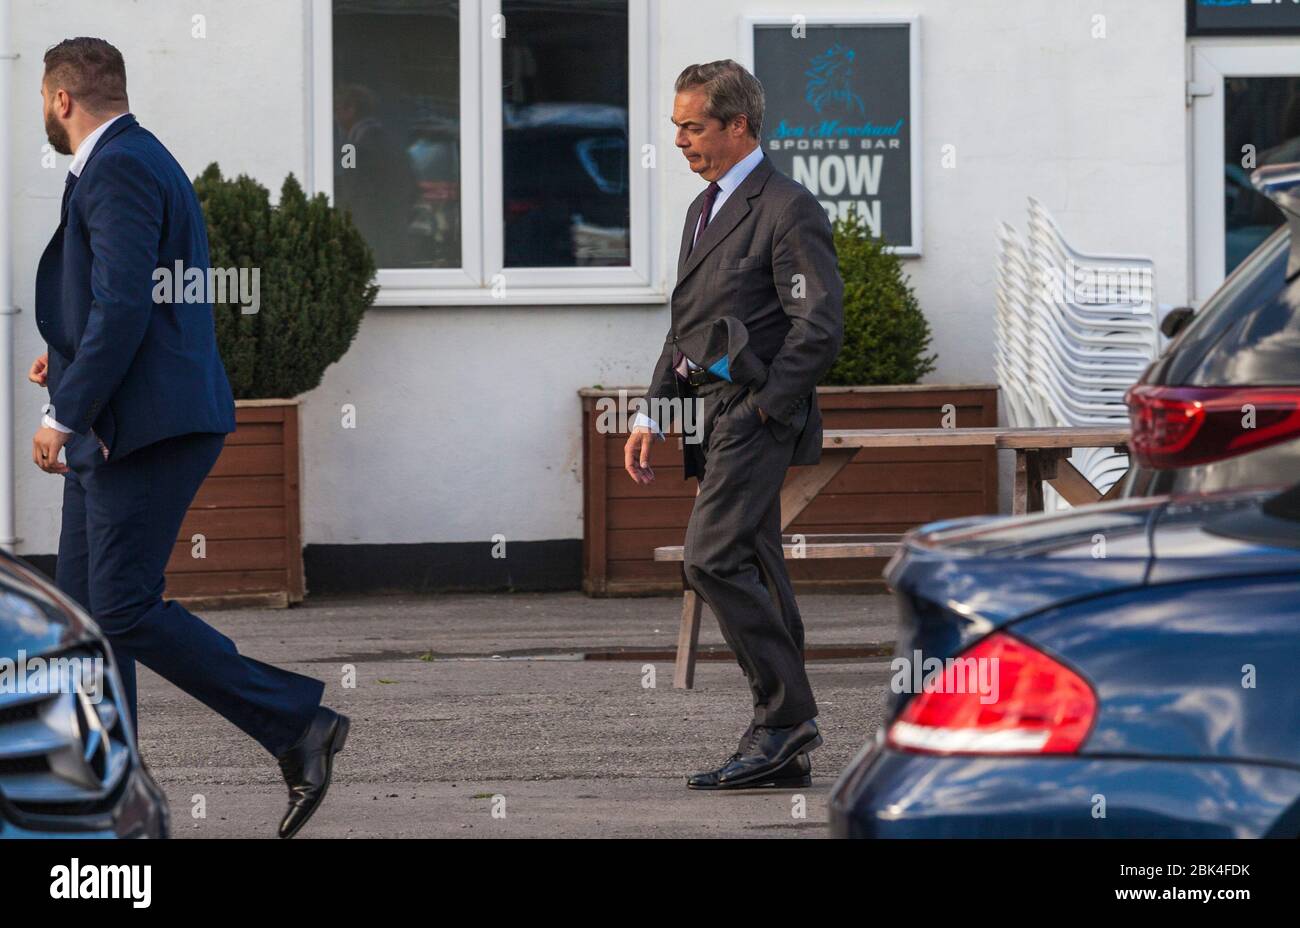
(1247, 333)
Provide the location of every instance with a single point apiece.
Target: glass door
(1245, 114)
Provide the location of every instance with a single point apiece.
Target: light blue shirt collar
(740, 170)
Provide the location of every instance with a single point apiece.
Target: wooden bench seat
(810, 546)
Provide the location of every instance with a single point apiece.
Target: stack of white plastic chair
(1074, 331)
(1012, 348)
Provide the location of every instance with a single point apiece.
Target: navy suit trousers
(120, 524)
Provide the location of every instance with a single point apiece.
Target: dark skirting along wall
(530, 566)
(443, 567)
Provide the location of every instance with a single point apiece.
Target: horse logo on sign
(829, 77)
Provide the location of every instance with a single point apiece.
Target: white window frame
(482, 279)
(913, 22)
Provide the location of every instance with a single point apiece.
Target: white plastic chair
(1064, 356)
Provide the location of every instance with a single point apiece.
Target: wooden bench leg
(1020, 491)
(797, 493)
(805, 483)
(688, 641)
(1029, 483)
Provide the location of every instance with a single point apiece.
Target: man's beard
(57, 134)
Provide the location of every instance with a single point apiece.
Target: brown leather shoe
(307, 767)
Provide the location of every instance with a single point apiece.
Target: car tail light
(1182, 426)
(1036, 706)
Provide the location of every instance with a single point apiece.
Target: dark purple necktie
(710, 197)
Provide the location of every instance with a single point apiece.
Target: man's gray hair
(729, 91)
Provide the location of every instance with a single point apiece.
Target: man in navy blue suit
(140, 405)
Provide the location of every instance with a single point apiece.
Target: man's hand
(45, 450)
(636, 455)
(37, 374)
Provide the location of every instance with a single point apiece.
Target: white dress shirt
(727, 183)
(79, 159)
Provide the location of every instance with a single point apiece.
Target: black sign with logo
(1243, 17)
(839, 118)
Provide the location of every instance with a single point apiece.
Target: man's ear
(62, 102)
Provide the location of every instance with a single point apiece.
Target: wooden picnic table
(1041, 457)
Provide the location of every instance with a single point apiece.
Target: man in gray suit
(757, 319)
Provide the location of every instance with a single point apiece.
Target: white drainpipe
(7, 308)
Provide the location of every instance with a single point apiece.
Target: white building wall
(235, 97)
(467, 418)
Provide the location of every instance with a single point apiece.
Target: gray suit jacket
(760, 299)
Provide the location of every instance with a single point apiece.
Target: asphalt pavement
(514, 715)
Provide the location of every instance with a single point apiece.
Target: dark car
(1120, 670)
(1220, 408)
(68, 760)
(566, 185)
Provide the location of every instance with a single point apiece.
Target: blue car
(1121, 670)
(69, 767)
(1128, 669)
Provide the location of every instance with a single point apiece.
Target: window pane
(1264, 114)
(397, 101)
(564, 95)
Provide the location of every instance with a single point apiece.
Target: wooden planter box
(248, 512)
(881, 491)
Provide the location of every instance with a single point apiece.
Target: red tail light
(1037, 705)
(1181, 426)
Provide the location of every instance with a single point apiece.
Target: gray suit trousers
(733, 556)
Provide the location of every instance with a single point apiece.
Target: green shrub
(886, 335)
(316, 282)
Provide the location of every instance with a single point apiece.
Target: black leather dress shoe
(307, 767)
(769, 750)
(796, 773)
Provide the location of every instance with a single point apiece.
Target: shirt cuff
(644, 421)
(50, 423)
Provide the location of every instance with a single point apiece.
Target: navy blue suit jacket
(134, 370)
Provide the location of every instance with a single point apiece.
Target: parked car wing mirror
(1176, 320)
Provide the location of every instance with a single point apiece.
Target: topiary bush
(316, 281)
(886, 336)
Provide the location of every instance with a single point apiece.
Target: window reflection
(565, 161)
(1264, 113)
(397, 104)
